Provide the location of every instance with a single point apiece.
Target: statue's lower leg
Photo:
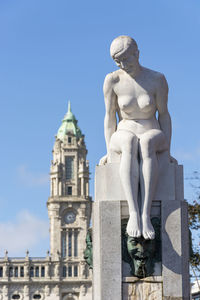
(148, 180)
(129, 173)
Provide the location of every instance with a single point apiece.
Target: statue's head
(141, 252)
(124, 51)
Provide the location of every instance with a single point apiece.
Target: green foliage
(194, 215)
(194, 223)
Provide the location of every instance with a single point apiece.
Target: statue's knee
(147, 147)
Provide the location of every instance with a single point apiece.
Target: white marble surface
(137, 95)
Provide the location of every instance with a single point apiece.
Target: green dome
(69, 125)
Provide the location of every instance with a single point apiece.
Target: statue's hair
(121, 44)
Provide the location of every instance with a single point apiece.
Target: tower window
(1, 271)
(64, 271)
(70, 271)
(10, 272)
(69, 190)
(43, 272)
(69, 167)
(16, 271)
(64, 244)
(69, 139)
(21, 271)
(75, 243)
(37, 272)
(31, 272)
(75, 271)
(70, 243)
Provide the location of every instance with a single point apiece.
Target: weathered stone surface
(142, 291)
(109, 186)
(175, 249)
(175, 298)
(107, 273)
(174, 234)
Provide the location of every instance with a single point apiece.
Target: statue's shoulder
(154, 74)
(159, 77)
(112, 77)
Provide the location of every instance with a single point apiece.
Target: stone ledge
(147, 279)
(109, 187)
(174, 298)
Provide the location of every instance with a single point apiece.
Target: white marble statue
(136, 94)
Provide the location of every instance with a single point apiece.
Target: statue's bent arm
(110, 121)
(164, 118)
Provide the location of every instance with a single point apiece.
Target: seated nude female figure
(136, 94)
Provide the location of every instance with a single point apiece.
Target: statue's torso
(136, 99)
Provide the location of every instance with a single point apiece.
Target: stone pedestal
(111, 276)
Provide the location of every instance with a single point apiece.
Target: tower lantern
(69, 169)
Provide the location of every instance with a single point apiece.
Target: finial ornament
(69, 106)
(69, 125)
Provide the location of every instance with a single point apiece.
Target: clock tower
(62, 274)
(69, 205)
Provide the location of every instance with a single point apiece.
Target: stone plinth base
(110, 278)
(149, 288)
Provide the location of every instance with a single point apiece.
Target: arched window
(64, 243)
(75, 271)
(11, 272)
(37, 296)
(21, 271)
(70, 271)
(37, 272)
(1, 271)
(70, 243)
(16, 296)
(43, 271)
(69, 190)
(16, 271)
(75, 243)
(69, 167)
(31, 272)
(64, 273)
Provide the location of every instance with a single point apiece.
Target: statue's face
(140, 248)
(127, 60)
(141, 251)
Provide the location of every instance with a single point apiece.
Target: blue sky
(55, 51)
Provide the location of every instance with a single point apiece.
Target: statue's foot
(147, 228)
(133, 227)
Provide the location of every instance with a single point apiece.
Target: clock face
(70, 217)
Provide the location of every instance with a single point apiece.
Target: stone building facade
(63, 274)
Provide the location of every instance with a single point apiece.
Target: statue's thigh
(124, 141)
(153, 141)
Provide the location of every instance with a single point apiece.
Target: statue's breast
(127, 104)
(145, 102)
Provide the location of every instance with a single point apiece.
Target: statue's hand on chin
(103, 160)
